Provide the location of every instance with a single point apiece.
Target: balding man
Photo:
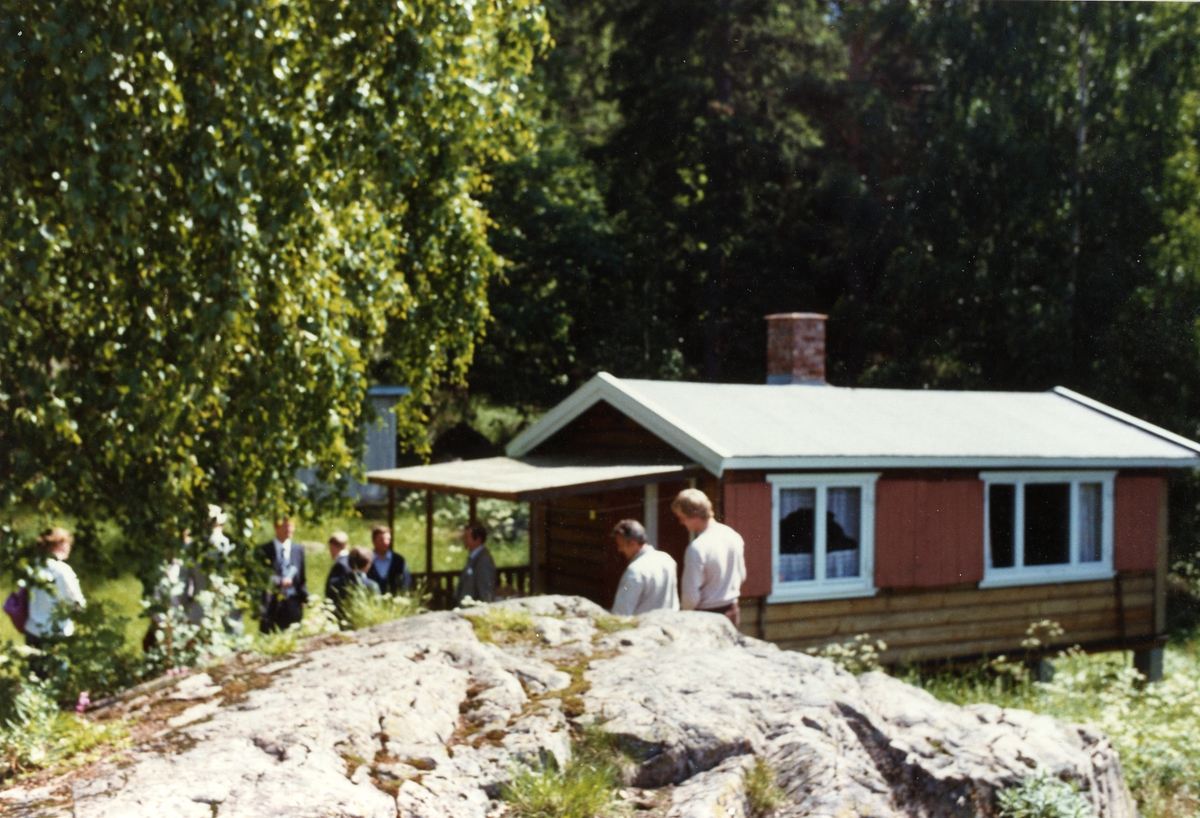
(648, 584)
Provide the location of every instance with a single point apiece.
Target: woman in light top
(59, 586)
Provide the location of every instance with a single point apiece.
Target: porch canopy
(521, 480)
(524, 479)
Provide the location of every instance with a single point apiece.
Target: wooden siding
(581, 556)
(928, 532)
(925, 624)
(672, 537)
(1136, 522)
(748, 512)
(604, 431)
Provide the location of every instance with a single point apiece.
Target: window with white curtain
(824, 536)
(1043, 527)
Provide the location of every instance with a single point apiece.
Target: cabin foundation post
(1149, 663)
(537, 546)
(392, 512)
(429, 540)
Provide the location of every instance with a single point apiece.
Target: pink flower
(84, 702)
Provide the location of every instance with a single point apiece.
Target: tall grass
(362, 608)
(1154, 727)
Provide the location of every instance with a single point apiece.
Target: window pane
(843, 523)
(1001, 514)
(1090, 507)
(1047, 523)
(797, 533)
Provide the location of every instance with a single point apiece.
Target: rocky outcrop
(421, 718)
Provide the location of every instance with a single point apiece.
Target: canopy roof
(753, 426)
(529, 478)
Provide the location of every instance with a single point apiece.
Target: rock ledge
(420, 718)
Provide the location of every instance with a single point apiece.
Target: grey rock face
(419, 718)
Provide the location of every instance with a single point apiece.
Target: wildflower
(85, 701)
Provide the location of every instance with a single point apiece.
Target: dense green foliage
(982, 195)
(218, 221)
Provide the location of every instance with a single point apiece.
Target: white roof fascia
(896, 462)
(1138, 423)
(563, 413)
(610, 389)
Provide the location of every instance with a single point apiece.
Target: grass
(585, 789)
(1154, 727)
(581, 791)
(363, 608)
(502, 625)
(762, 791)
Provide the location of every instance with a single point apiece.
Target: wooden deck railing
(510, 582)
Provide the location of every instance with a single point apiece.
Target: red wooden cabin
(944, 523)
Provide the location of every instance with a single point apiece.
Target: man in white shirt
(648, 584)
(63, 589)
(714, 565)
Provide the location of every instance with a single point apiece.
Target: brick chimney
(796, 348)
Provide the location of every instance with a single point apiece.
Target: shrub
(857, 656)
(762, 792)
(1041, 795)
(95, 658)
(193, 627)
(35, 733)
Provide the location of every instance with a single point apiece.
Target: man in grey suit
(478, 579)
(284, 597)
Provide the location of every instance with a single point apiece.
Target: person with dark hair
(340, 571)
(478, 578)
(360, 562)
(284, 598)
(648, 584)
(388, 568)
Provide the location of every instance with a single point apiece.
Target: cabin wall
(928, 530)
(603, 431)
(1136, 503)
(922, 624)
(748, 512)
(581, 556)
(672, 537)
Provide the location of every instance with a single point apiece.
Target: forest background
(223, 222)
(981, 196)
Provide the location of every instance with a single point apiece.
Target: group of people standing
(713, 571)
(714, 565)
(378, 570)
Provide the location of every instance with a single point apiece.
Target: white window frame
(819, 587)
(1073, 571)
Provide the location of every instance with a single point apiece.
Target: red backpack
(17, 608)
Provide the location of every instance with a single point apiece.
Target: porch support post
(392, 511)
(429, 538)
(474, 518)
